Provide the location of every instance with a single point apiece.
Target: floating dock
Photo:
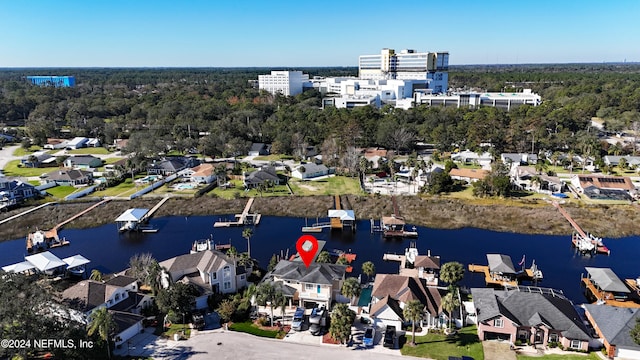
(241, 219)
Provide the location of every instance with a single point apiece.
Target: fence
(82, 193)
(153, 186)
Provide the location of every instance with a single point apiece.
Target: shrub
(518, 342)
(263, 321)
(553, 344)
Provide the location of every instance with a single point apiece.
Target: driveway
(6, 155)
(498, 350)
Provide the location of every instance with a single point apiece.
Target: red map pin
(307, 247)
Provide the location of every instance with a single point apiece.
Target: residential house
(318, 284)
(632, 161)
(94, 142)
(392, 292)
(201, 174)
(539, 316)
(424, 267)
(14, 191)
(119, 294)
(527, 178)
(470, 157)
(69, 177)
(84, 162)
(172, 165)
(114, 168)
(603, 186)
(120, 144)
(519, 159)
(612, 325)
(77, 143)
(55, 144)
(376, 156)
(38, 159)
(258, 149)
(261, 176)
(309, 171)
(210, 271)
(468, 175)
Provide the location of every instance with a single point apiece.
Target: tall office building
(56, 81)
(407, 65)
(287, 83)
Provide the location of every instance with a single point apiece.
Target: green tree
(368, 268)
(247, 233)
(226, 309)
(342, 261)
(452, 273)
(341, 321)
(351, 288)
(272, 262)
(267, 294)
(623, 164)
(96, 275)
(635, 332)
(413, 311)
(324, 257)
(179, 298)
(450, 302)
(102, 323)
(439, 182)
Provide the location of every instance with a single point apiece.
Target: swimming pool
(184, 186)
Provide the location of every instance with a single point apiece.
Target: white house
(77, 143)
(201, 174)
(309, 171)
(210, 271)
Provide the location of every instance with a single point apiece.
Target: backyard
(334, 185)
(14, 168)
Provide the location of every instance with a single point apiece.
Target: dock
(392, 257)
(340, 218)
(603, 286)
(492, 280)
(580, 239)
(501, 272)
(245, 218)
(150, 213)
(609, 298)
(393, 226)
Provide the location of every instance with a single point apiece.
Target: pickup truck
(390, 337)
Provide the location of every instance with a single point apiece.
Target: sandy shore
(512, 216)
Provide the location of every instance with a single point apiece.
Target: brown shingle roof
(606, 182)
(404, 289)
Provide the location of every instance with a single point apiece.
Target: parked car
(369, 334)
(316, 329)
(390, 337)
(298, 319)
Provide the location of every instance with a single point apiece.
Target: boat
(311, 229)
(129, 225)
(41, 240)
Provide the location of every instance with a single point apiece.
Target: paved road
(220, 344)
(6, 155)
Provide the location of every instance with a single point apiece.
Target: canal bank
(521, 216)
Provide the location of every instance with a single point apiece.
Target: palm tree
(247, 233)
(536, 180)
(541, 166)
(351, 288)
(324, 257)
(342, 261)
(368, 268)
(449, 303)
(266, 293)
(452, 272)
(413, 310)
(102, 323)
(96, 275)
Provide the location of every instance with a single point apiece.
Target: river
(562, 267)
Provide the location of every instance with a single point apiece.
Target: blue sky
(115, 33)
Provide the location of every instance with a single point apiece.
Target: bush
(518, 342)
(263, 321)
(553, 344)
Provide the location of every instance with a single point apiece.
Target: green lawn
(123, 189)
(250, 328)
(61, 191)
(90, 150)
(273, 157)
(440, 347)
(12, 169)
(177, 328)
(590, 356)
(23, 152)
(230, 193)
(335, 185)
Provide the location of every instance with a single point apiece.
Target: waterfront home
(308, 171)
(392, 292)
(261, 176)
(38, 159)
(531, 315)
(518, 159)
(258, 149)
(412, 264)
(603, 187)
(201, 174)
(210, 271)
(468, 175)
(319, 284)
(171, 165)
(84, 162)
(14, 191)
(612, 324)
(527, 178)
(69, 177)
(127, 326)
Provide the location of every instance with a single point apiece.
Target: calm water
(110, 251)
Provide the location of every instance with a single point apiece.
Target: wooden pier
(497, 280)
(245, 218)
(150, 213)
(335, 222)
(604, 297)
(580, 234)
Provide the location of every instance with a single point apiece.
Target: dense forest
(219, 112)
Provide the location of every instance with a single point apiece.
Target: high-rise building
(287, 83)
(407, 65)
(56, 81)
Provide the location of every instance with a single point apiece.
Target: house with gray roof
(608, 285)
(309, 171)
(319, 284)
(14, 191)
(261, 176)
(210, 271)
(389, 289)
(69, 177)
(613, 324)
(519, 158)
(258, 149)
(614, 160)
(38, 159)
(541, 317)
(171, 165)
